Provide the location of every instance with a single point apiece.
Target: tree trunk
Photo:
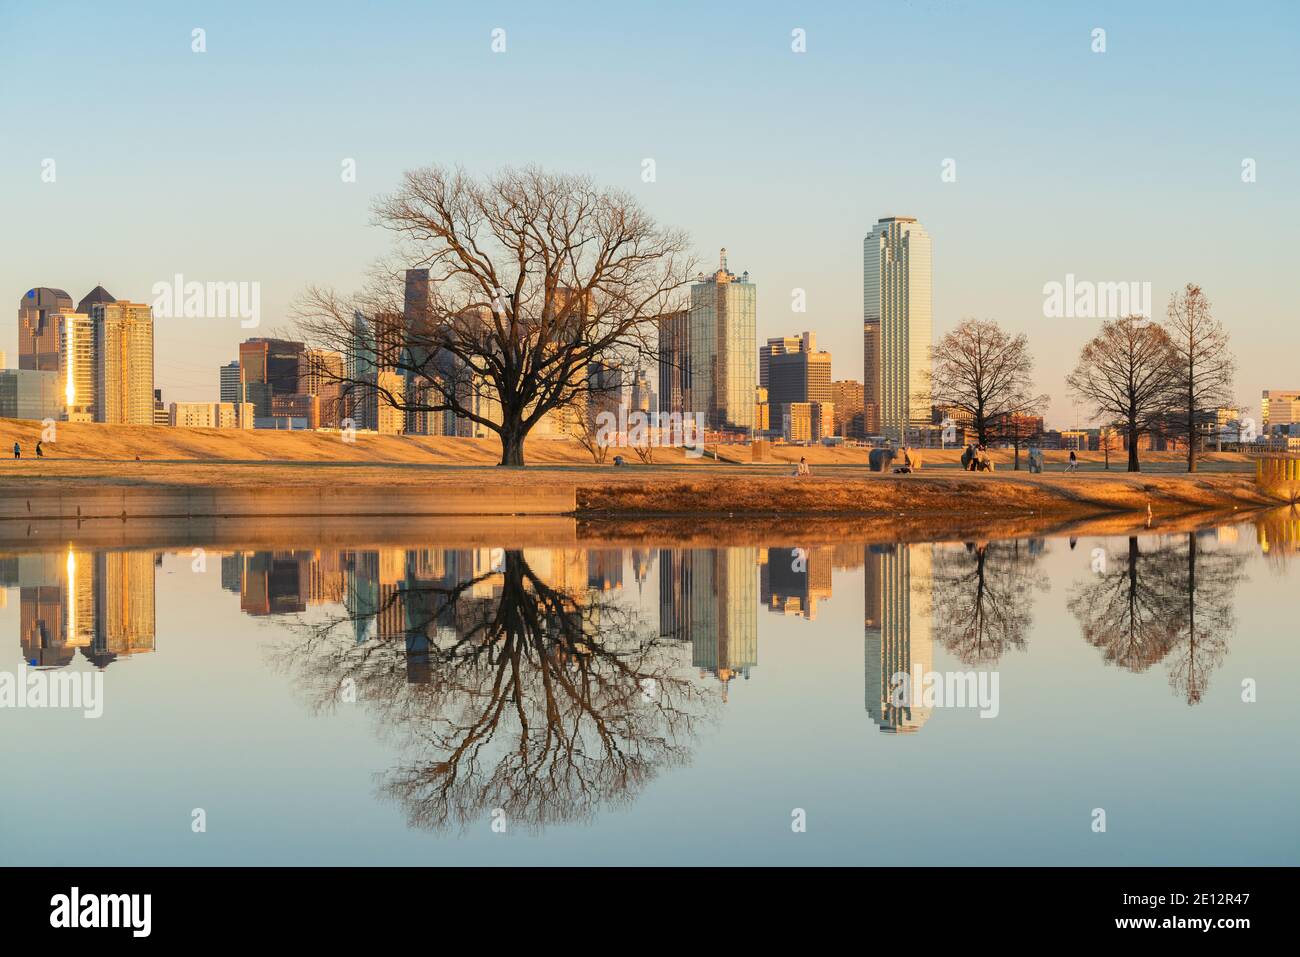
(1016, 467)
(1133, 465)
(1191, 433)
(512, 445)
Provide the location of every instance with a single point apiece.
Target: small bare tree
(1124, 373)
(533, 278)
(1202, 378)
(986, 373)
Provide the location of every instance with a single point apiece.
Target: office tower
(674, 376)
(321, 375)
(642, 397)
(230, 386)
(30, 394)
(269, 367)
(724, 621)
(898, 638)
(847, 395)
(793, 580)
(38, 339)
(720, 346)
(160, 415)
(76, 365)
(99, 296)
(605, 391)
(896, 315)
(1278, 407)
(799, 375)
(123, 346)
(776, 347)
(124, 613)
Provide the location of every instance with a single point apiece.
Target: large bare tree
(1124, 372)
(536, 280)
(985, 372)
(1203, 368)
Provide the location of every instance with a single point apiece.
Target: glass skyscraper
(896, 318)
(720, 347)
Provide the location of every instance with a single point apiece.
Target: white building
(211, 415)
(897, 315)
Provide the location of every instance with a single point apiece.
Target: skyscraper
(38, 339)
(77, 366)
(898, 638)
(230, 386)
(896, 316)
(720, 349)
(674, 375)
(123, 362)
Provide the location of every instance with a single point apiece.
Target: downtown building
(798, 383)
(897, 320)
(719, 350)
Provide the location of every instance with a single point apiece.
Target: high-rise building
(38, 337)
(847, 394)
(776, 347)
(643, 398)
(799, 375)
(720, 347)
(30, 394)
(898, 638)
(230, 384)
(897, 315)
(1276, 408)
(269, 367)
(674, 376)
(77, 365)
(123, 362)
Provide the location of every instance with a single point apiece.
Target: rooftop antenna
(722, 259)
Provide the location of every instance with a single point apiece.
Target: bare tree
(1202, 378)
(1125, 372)
(534, 278)
(988, 374)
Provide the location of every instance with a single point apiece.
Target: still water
(659, 704)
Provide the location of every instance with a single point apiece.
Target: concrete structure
(30, 394)
(720, 349)
(897, 319)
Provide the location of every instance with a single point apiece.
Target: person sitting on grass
(802, 468)
(910, 463)
(983, 461)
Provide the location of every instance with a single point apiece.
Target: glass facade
(897, 317)
(722, 356)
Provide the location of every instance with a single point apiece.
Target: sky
(1115, 166)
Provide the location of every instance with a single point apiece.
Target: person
(18, 451)
(1074, 462)
(908, 466)
(803, 468)
(39, 453)
(983, 462)
(1035, 459)
(967, 456)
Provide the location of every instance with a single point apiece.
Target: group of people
(975, 458)
(18, 450)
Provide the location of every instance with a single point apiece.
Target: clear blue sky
(1124, 165)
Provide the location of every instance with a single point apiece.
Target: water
(350, 703)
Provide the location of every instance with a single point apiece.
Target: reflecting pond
(842, 702)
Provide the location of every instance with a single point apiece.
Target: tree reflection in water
(983, 597)
(1163, 599)
(507, 692)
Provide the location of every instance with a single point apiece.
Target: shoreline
(90, 490)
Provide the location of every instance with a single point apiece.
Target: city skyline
(1077, 162)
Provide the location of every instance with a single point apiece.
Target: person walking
(18, 451)
(39, 453)
(1074, 462)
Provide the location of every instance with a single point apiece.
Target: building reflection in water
(99, 603)
(793, 580)
(709, 599)
(898, 630)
